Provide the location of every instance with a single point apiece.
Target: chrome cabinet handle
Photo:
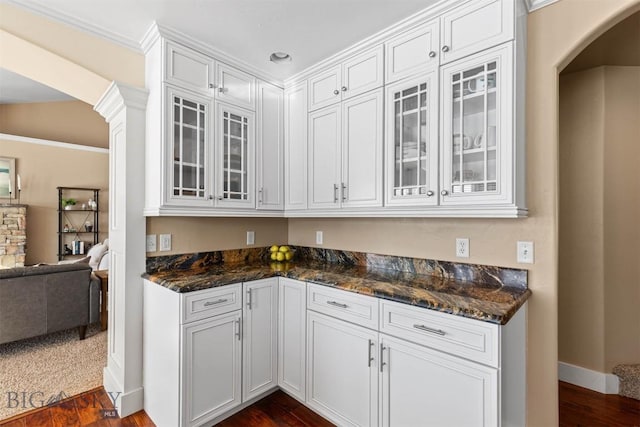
(429, 193)
(337, 304)
(432, 54)
(445, 48)
(444, 192)
(336, 92)
(249, 298)
(220, 301)
(238, 330)
(260, 194)
(344, 88)
(344, 192)
(382, 349)
(371, 344)
(335, 193)
(430, 330)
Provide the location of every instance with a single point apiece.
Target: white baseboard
(124, 403)
(583, 377)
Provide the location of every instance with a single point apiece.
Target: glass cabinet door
(412, 140)
(236, 148)
(189, 133)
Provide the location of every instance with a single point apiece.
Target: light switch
(251, 237)
(525, 252)
(165, 242)
(319, 237)
(151, 243)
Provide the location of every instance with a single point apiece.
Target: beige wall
(42, 168)
(210, 234)
(74, 122)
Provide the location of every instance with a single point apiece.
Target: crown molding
(50, 143)
(75, 23)
(118, 96)
(537, 4)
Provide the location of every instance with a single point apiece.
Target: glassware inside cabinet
(235, 153)
(474, 129)
(189, 120)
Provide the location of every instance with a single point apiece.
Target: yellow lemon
(273, 248)
(274, 256)
(288, 256)
(280, 256)
(284, 249)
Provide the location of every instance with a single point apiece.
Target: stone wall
(13, 235)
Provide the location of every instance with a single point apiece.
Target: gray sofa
(41, 299)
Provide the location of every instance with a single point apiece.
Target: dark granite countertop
(490, 303)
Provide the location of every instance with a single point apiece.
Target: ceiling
(16, 89)
(309, 30)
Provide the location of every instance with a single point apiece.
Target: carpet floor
(38, 371)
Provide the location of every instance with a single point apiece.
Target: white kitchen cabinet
(295, 147)
(345, 153)
(356, 75)
(292, 334)
(211, 367)
(342, 373)
(235, 87)
(188, 69)
(412, 141)
(235, 155)
(259, 341)
(475, 26)
(420, 384)
(270, 147)
(416, 50)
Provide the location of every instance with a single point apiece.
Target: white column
(123, 107)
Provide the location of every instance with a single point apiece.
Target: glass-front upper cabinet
(412, 141)
(188, 129)
(236, 151)
(477, 129)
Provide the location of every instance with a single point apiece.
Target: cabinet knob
(336, 92)
(221, 89)
(210, 197)
(344, 88)
(432, 54)
(219, 197)
(445, 48)
(444, 192)
(429, 193)
(211, 86)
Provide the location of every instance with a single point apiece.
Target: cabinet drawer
(472, 339)
(211, 302)
(354, 308)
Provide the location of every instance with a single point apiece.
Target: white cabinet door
(324, 88)
(362, 73)
(270, 147)
(292, 333)
(211, 368)
(260, 326)
(324, 158)
(477, 129)
(362, 121)
(421, 384)
(188, 69)
(235, 165)
(476, 26)
(342, 374)
(413, 51)
(235, 87)
(295, 140)
(188, 172)
(412, 141)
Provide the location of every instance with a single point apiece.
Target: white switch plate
(151, 243)
(462, 247)
(525, 252)
(319, 237)
(165, 242)
(251, 237)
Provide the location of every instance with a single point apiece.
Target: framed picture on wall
(7, 177)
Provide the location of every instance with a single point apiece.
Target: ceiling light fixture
(279, 57)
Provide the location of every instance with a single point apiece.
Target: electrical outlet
(251, 237)
(462, 247)
(319, 237)
(165, 242)
(151, 243)
(525, 252)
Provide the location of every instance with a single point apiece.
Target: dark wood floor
(579, 407)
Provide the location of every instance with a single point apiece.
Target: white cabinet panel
(324, 89)
(295, 176)
(349, 306)
(475, 26)
(413, 51)
(260, 323)
(342, 378)
(324, 158)
(270, 147)
(187, 68)
(419, 383)
(292, 333)
(211, 368)
(211, 302)
(235, 87)
(362, 73)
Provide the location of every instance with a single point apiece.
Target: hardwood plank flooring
(579, 407)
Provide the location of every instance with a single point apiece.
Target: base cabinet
(292, 337)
